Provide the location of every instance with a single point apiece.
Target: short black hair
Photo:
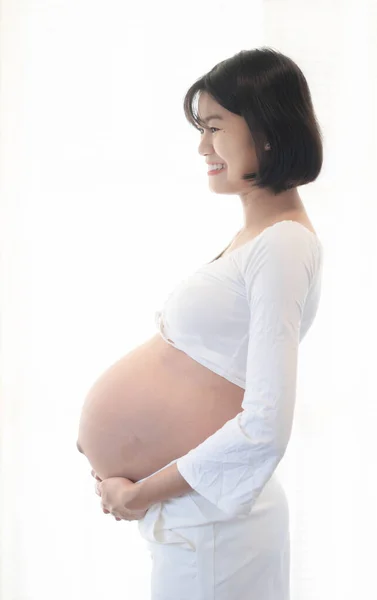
(270, 92)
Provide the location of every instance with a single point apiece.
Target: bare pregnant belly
(151, 407)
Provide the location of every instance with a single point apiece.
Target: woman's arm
(231, 467)
(161, 486)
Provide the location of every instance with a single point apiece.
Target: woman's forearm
(161, 486)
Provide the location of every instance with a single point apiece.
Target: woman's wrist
(167, 483)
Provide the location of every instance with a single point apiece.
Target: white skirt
(200, 553)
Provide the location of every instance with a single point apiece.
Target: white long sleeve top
(243, 316)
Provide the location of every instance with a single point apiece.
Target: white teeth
(215, 167)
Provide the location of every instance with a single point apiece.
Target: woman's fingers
(94, 474)
(107, 512)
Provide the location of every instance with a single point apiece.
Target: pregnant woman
(199, 417)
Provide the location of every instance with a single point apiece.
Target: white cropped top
(243, 317)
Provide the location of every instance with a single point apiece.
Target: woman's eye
(201, 130)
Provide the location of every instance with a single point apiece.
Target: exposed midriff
(151, 407)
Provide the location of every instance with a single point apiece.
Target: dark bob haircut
(271, 93)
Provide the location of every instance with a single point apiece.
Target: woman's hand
(119, 497)
(94, 474)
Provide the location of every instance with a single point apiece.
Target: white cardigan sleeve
(231, 467)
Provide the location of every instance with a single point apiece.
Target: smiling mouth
(215, 171)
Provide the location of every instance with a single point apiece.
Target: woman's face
(226, 139)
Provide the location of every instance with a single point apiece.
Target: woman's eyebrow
(208, 119)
